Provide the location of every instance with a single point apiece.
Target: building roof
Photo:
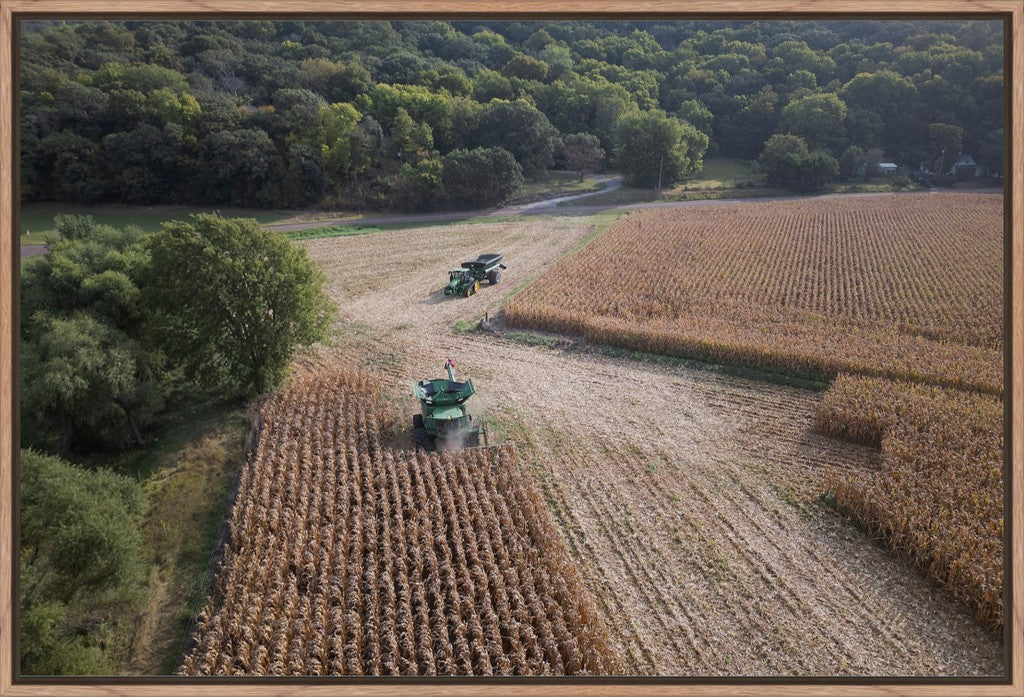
(887, 165)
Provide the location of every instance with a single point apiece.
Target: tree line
(420, 115)
(118, 328)
(116, 322)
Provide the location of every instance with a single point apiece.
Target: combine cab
(466, 279)
(445, 423)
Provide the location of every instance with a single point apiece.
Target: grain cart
(445, 423)
(466, 279)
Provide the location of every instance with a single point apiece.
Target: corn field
(350, 558)
(899, 296)
(905, 287)
(938, 497)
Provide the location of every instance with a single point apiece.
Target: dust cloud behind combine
(688, 497)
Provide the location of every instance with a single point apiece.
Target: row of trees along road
(118, 328)
(369, 115)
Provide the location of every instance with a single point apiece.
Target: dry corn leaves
(938, 496)
(903, 287)
(348, 558)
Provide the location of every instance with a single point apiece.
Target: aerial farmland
(721, 521)
(408, 564)
(513, 348)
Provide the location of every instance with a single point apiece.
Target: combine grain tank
(444, 422)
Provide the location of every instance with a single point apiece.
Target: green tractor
(466, 279)
(445, 423)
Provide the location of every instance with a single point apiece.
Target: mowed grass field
(554, 183)
(37, 218)
(903, 293)
(720, 177)
(721, 172)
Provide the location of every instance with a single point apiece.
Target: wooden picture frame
(12, 11)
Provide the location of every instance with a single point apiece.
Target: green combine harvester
(445, 423)
(466, 279)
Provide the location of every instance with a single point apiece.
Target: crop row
(937, 498)
(348, 558)
(904, 287)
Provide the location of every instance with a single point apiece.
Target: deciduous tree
(787, 162)
(81, 562)
(817, 118)
(583, 153)
(652, 147)
(480, 177)
(234, 300)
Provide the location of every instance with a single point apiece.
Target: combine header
(445, 423)
(466, 279)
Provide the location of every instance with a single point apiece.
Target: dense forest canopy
(424, 114)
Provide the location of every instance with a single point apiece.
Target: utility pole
(661, 164)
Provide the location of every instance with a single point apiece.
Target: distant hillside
(430, 114)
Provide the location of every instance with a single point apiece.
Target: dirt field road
(551, 207)
(688, 497)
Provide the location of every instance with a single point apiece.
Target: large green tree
(947, 139)
(90, 376)
(814, 172)
(883, 103)
(336, 124)
(745, 122)
(653, 147)
(525, 67)
(777, 158)
(787, 162)
(239, 167)
(235, 301)
(519, 128)
(86, 383)
(591, 104)
(583, 153)
(481, 177)
(818, 119)
(853, 163)
(81, 564)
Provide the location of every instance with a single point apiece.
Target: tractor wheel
(423, 440)
(494, 277)
(472, 440)
(420, 437)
